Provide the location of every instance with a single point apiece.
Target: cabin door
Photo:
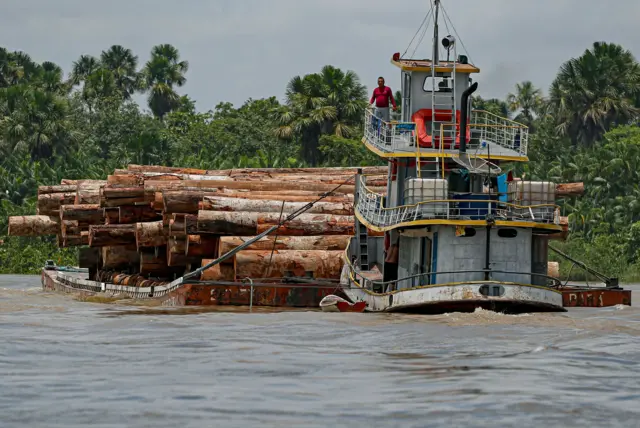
(425, 260)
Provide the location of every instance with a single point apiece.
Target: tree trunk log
(119, 257)
(33, 225)
(217, 203)
(202, 246)
(49, 204)
(150, 234)
(177, 226)
(176, 253)
(68, 182)
(74, 240)
(569, 189)
(47, 190)
(562, 236)
(262, 264)
(371, 170)
(84, 214)
(553, 269)
(306, 243)
(214, 185)
(251, 223)
(155, 264)
(88, 191)
(70, 228)
(112, 235)
(137, 213)
(111, 215)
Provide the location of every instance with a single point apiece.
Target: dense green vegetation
(86, 124)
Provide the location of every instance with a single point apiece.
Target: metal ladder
(445, 100)
(363, 246)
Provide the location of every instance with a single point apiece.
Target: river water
(67, 363)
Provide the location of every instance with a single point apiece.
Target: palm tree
(162, 72)
(122, 63)
(329, 102)
(82, 68)
(527, 99)
(595, 91)
(493, 105)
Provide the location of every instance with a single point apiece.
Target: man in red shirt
(381, 96)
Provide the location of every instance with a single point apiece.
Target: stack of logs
(160, 222)
(150, 223)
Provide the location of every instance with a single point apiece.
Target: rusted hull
(193, 294)
(594, 298)
(294, 297)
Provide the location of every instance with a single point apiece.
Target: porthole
(468, 232)
(507, 233)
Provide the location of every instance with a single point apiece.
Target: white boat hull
(463, 297)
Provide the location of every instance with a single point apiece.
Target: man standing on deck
(381, 96)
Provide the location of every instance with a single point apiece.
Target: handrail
(492, 201)
(353, 273)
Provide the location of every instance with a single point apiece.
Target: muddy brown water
(67, 363)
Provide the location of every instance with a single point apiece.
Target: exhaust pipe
(464, 115)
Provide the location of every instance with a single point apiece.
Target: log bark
(68, 188)
(33, 225)
(112, 235)
(150, 234)
(158, 203)
(152, 262)
(88, 191)
(202, 246)
(553, 269)
(68, 182)
(137, 213)
(111, 215)
(190, 201)
(569, 189)
(372, 170)
(70, 228)
(252, 223)
(177, 225)
(262, 264)
(176, 253)
(49, 204)
(119, 256)
(324, 243)
(152, 186)
(74, 240)
(84, 214)
(562, 236)
(117, 196)
(218, 203)
(191, 224)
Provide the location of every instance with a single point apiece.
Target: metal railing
(370, 205)
(454, 277)
(485, 127)
(391, 136)
(491, 128)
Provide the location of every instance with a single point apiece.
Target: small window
(439, 84)
(468, 232)
(507, 233)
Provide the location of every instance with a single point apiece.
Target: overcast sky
(251, 48)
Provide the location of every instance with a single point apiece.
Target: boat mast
(436, 60)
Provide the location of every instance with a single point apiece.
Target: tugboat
(460, 232)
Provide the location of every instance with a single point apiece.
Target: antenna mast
(436, 52)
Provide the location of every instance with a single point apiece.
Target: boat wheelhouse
(460, 231)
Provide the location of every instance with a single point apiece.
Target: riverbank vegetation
(85, 124)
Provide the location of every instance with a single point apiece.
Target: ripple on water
(66, 363)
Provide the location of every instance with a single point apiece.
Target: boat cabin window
(468, 233)
(507, 233)
(437, 84)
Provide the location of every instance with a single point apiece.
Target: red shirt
(382, 96)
